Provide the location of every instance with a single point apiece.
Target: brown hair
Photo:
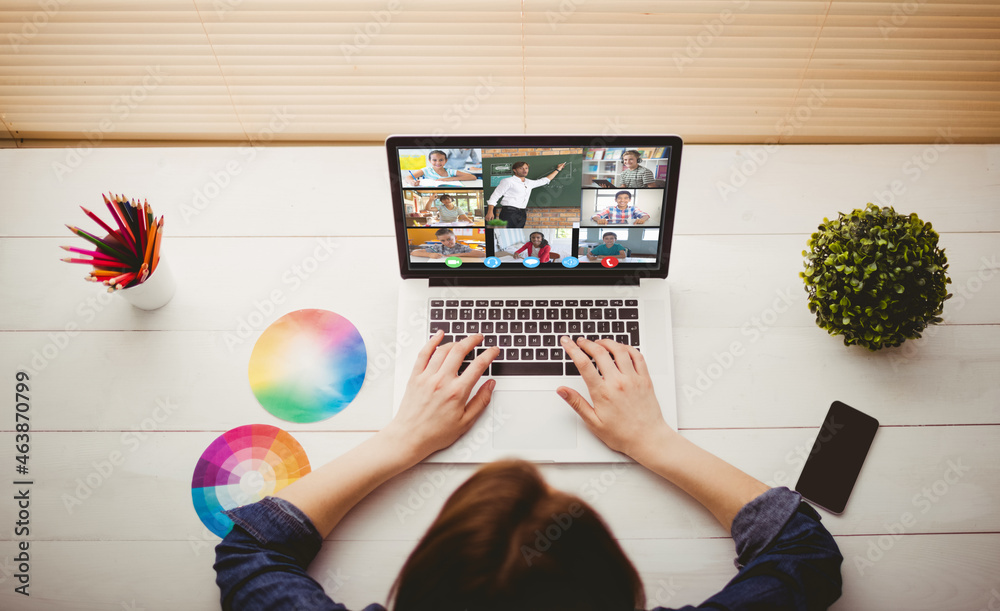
(505, 540)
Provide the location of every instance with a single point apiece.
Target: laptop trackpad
(528, 420)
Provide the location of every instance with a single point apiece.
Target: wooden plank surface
(99, 485)
(124, 401)
(917, 573)
(724, 189)
(716, 281)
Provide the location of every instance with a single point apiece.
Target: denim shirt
(786, 559)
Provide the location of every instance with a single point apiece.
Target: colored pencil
(140, 214)
(99, 257)
(97, 220)
(122, 279)
(120, 218)
(143, 227)
(100, 244)
(84, 251)
(129, 219)
(126, 256)
(148, 255)
(156, 247)
(98, 262)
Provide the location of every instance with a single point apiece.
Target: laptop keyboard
(527, 331)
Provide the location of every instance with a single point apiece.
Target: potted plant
(496, 223)
(876, 277)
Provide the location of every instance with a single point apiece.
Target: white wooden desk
(123, 401)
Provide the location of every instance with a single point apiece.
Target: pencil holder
(155, 292)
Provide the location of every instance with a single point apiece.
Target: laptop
(551, 271)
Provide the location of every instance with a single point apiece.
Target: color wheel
(308, 365)
(243, 466)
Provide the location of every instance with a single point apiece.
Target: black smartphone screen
(835, 461)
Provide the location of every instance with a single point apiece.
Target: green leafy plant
(496, 223)
(876, 277)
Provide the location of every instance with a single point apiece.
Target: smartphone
(835, 461)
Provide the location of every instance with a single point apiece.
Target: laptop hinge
(522, 281)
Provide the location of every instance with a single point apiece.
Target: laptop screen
(515, 206)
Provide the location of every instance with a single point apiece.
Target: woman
(483, 551)
(436, 170)
(537, 246)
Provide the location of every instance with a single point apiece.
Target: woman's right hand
(625, 415)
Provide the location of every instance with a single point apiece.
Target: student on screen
(448, 211)
(436, 170)
(608, 249)
(621, 213)
(634, 175)
(449, 246)
(537, 246)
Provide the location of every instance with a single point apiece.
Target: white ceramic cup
(155, 292)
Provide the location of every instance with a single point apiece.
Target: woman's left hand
(436, 409)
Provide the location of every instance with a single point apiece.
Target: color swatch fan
(308, 365)
(243, 466)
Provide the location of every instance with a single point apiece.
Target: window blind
(112, 71)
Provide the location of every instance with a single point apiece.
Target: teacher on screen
(515, 191)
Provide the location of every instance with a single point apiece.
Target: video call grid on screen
(603, 202)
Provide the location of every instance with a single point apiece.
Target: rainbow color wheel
(243, 466)
(308, 365)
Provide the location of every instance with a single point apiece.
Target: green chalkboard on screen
(563, 191)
